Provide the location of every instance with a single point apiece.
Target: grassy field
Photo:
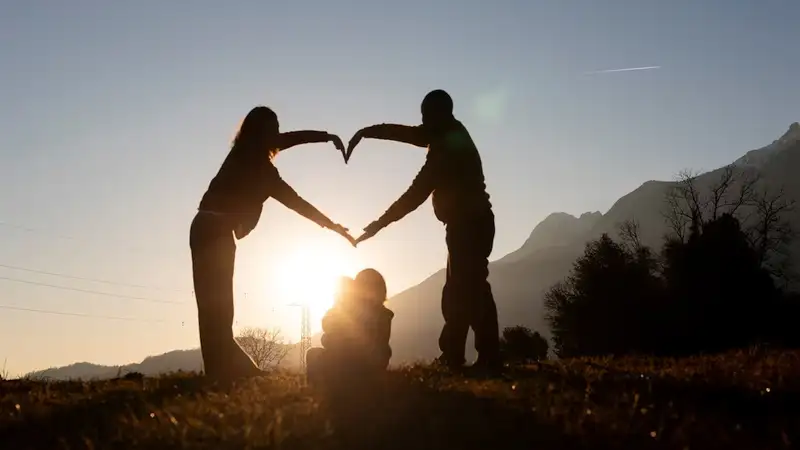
(748, 399)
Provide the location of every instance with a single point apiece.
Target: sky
(114, 116)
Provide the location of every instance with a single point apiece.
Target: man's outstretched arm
(419, 191)
(389, 132)
(399, 133)
(421, 188)
(293, 138)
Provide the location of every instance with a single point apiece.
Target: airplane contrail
(627, 69)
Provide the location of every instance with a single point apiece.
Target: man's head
(437, 109)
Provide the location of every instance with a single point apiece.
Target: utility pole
(305, 332)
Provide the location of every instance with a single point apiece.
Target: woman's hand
(337, 142)
(343, 232)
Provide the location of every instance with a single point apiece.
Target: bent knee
(315, 358)
(314, 354)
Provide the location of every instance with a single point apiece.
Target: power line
(54, 234)
(107, 294)
(91, 291)
(100, 280)
(89, 279)
(64, 313)
(73, 277)
(37, 230)
(95, 280)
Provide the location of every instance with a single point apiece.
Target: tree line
(722, 278)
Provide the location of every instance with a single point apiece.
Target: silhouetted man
(453, 173)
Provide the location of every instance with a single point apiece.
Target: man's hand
(337, 142)
(339, 229)
(370, 230)
(352, 144)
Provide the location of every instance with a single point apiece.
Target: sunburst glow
(310, 275)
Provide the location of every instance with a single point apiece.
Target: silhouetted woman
(229, 210)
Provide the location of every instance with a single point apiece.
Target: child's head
(369, 284)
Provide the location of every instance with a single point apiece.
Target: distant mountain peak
(760, 156)
(558, 228)
(792, 135)
(590, 215)
(557, 220)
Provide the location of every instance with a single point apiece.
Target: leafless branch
(687, 209)
(266, 347)
(719, 191)
(684, 205)
(771, 232)
(746, 194)
(629, 234)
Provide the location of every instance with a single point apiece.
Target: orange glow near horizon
(310, 275)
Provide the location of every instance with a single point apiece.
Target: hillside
(176, 360)
(520, 278)
(189, 360)
(739, 400)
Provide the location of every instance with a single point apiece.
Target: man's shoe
(486, 367)
(449, 363)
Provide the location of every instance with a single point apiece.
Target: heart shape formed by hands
(352, 145)
(371, 229)
(344, 232)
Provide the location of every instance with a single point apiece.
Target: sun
(310, 275)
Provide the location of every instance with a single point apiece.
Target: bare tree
(266, 347)
(688, 209)
(721, 200)
(684, 205)
(629, 234)
(761, 212)
(770, 232)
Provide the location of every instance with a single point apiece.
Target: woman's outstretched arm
(282, 192)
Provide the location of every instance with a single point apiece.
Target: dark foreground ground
(738, 400)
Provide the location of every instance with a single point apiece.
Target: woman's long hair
(258, 126)
(344, 289)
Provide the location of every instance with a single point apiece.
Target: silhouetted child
(356, 332)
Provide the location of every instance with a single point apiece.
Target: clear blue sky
(115, 115)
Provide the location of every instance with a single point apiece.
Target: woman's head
(344, 291)
(258, 128)
(370, 284)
